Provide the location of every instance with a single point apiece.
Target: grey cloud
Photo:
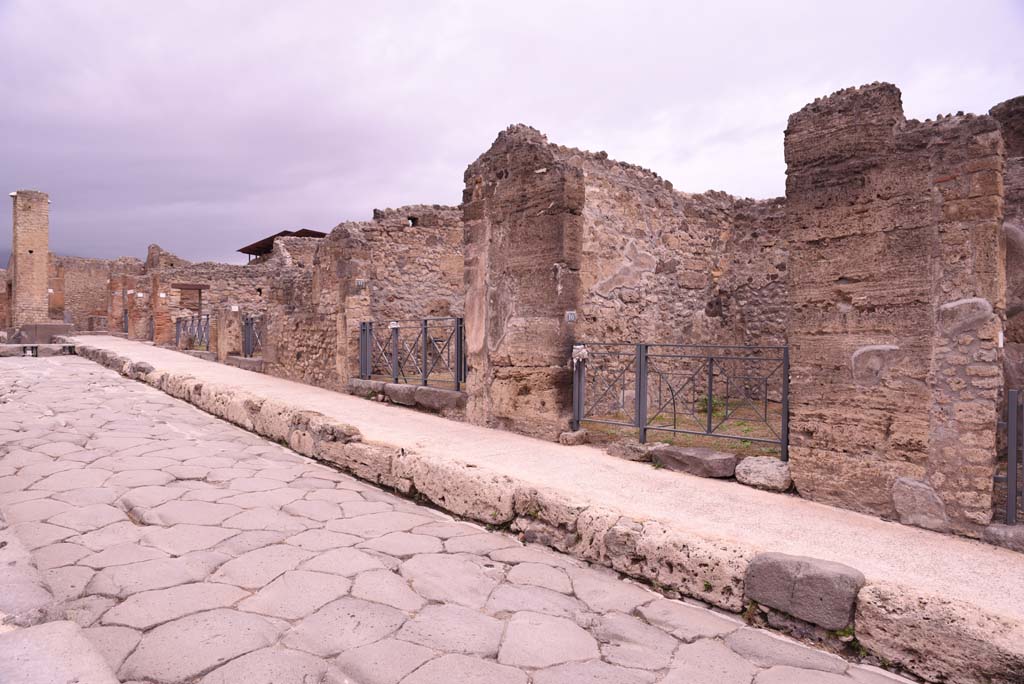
(204, 126)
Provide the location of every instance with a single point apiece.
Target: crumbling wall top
(1010, 115)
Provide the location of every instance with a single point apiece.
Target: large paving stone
(296, 594)
(68, 582)
(344, 624)
(378, 524)
(192, 645)
(454, 629)
(190, 512)
(404, 544)
(708, 662)
(274, 665)
(537, 640)
(604, 591)
(513, 598)
(345, 561)
(258, 568)
(461, 669)
(386, 662)
(793, 675)
(592, 672)
(632, 643)
(767, 650)
(686, 622)
(125, 580)
(36, 534)
(818, 591)
(150, 608)
(56, 555)
(322, 540)
(384, 586)
(121, 554)
(538, 575)
(268, 519)
(89, 518)
(480, 543)
(52, 653)
(73, 479)
(113, 643)
(34, 511)
(464, 580)
(181, 539)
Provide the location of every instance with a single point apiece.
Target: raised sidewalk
(945, 608)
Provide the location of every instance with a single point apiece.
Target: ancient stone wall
(405, 264)
(78, 289)
(896, 280)
(523, 211)
(5, 300)
(634, 259)
(1010, 115)
(30, 254)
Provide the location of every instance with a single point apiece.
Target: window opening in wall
(31, 251)
(413, 221)
(259, 291)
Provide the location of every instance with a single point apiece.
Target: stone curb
(931, 637)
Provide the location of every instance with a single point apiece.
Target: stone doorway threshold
(941, 607)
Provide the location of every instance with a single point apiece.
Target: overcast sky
(204, 126)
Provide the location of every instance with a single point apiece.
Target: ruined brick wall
(5, 301)
(523, 212)
(896, 277)
(78, 288)
(405, 264)
(30, 257)
(570, 230)
(1010, 115)
(661, 266)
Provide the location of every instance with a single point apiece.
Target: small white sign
(163, 295)
(1001, 340)
(139, 295)
(234, 307)
(49, 290)
(131, 291)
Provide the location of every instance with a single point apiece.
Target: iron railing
(733, 392)
(428, 351)
(1014, 456)
(252, 335)
(193, 328)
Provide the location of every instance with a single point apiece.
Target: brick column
(30, 257)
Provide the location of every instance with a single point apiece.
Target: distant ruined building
(892, 270)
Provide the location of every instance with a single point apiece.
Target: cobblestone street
(190, 550)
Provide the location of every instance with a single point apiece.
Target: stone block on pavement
(699, 461)
(818, 591)
(918, 504)
(764, 472)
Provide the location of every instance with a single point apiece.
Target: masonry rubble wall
(897, 285)
(404, 264)
(553, 230)
(5, 301)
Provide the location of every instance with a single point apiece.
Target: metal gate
(252, 336)
(734, 392)
(428, 351)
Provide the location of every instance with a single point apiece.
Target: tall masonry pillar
(30, 256)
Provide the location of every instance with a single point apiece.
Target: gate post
(784, 450)
(640, 387)
(709, 403)
(1012, 454)
(423, 344)
(395, 363)
(460, 353)
(579, 382)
